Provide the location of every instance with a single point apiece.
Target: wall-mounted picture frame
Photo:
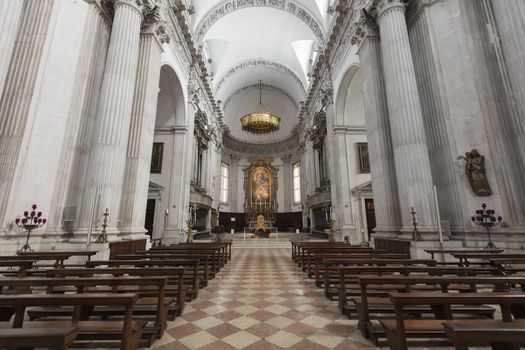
(364, 160)
(156, 157)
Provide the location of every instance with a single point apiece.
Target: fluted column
(103, 187)
(509, 59)
(10, 16)
(80, 121)
(19, 86)
(382, 166)
(141, 133)
(409, 143)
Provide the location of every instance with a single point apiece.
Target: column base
(132, 233)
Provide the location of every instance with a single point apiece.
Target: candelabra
(189, 238)
(331, 225)
(30, 221)
(416, 236)
(486, 218)
(103, 236)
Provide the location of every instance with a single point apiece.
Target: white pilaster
(10, 16)
(17, 96)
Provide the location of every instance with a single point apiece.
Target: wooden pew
(203, 267)
(58, 256)
(215, 260)
(174, 289)
(51, 338)
(297, 246)
(380, 304)
(227, 245)
(128, 332)
(432, 252)
(22, 265)
(330, 279)
(485, 257)
(399, 328)
(156, 311)
(349, 283)
(190, 278)
(220, 250)
(508, 336)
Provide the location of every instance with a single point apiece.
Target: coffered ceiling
(245, 41)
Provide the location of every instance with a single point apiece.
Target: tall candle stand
(416, 236)
(30, 221)
(487, 218)
(103, 236)
(189, 238)
(331, 225)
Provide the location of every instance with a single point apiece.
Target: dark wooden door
(370, 216)
(150, 216)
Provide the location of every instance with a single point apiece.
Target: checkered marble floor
(261, 301)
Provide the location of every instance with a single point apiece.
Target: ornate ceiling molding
(252, 86)
(258, 63)
(241, 147)
(228, 7)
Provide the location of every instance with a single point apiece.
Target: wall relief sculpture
(475, 171)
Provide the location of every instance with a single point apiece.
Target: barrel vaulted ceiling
(244, 41)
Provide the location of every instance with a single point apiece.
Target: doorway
(370, 216)
(150, 217)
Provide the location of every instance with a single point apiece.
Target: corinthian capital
(366, 26)
(383, 6)
(162, 34)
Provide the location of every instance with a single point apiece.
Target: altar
(260, 198)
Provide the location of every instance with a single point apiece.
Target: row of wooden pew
(47, 303)
(421, 301)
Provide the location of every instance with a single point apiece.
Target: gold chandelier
(260, 123)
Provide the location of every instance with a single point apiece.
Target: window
(297, 183)
(225, 180)
(156, 158)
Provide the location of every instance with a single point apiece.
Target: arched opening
(350, 116)
(170, 114)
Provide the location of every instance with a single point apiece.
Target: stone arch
(171, 106)
(350, 86)
(291, 7)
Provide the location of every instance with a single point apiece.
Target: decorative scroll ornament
(260, 122)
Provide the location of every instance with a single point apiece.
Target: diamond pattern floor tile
(261, 301)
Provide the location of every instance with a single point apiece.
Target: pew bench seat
(499, 335)
(29, 338)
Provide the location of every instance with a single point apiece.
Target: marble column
(141, 133)
(17, 95)
(412, 163)
(105, 173)
(508, 59)
(10, 16)
(382, 167)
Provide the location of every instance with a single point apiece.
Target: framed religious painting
(156, 157)
(364, 160)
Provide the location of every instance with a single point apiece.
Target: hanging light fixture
(260, 122)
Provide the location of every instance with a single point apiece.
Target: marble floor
(261, 301)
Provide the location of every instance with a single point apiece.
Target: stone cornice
(244, 148)
(256, 63)
(264, 86)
